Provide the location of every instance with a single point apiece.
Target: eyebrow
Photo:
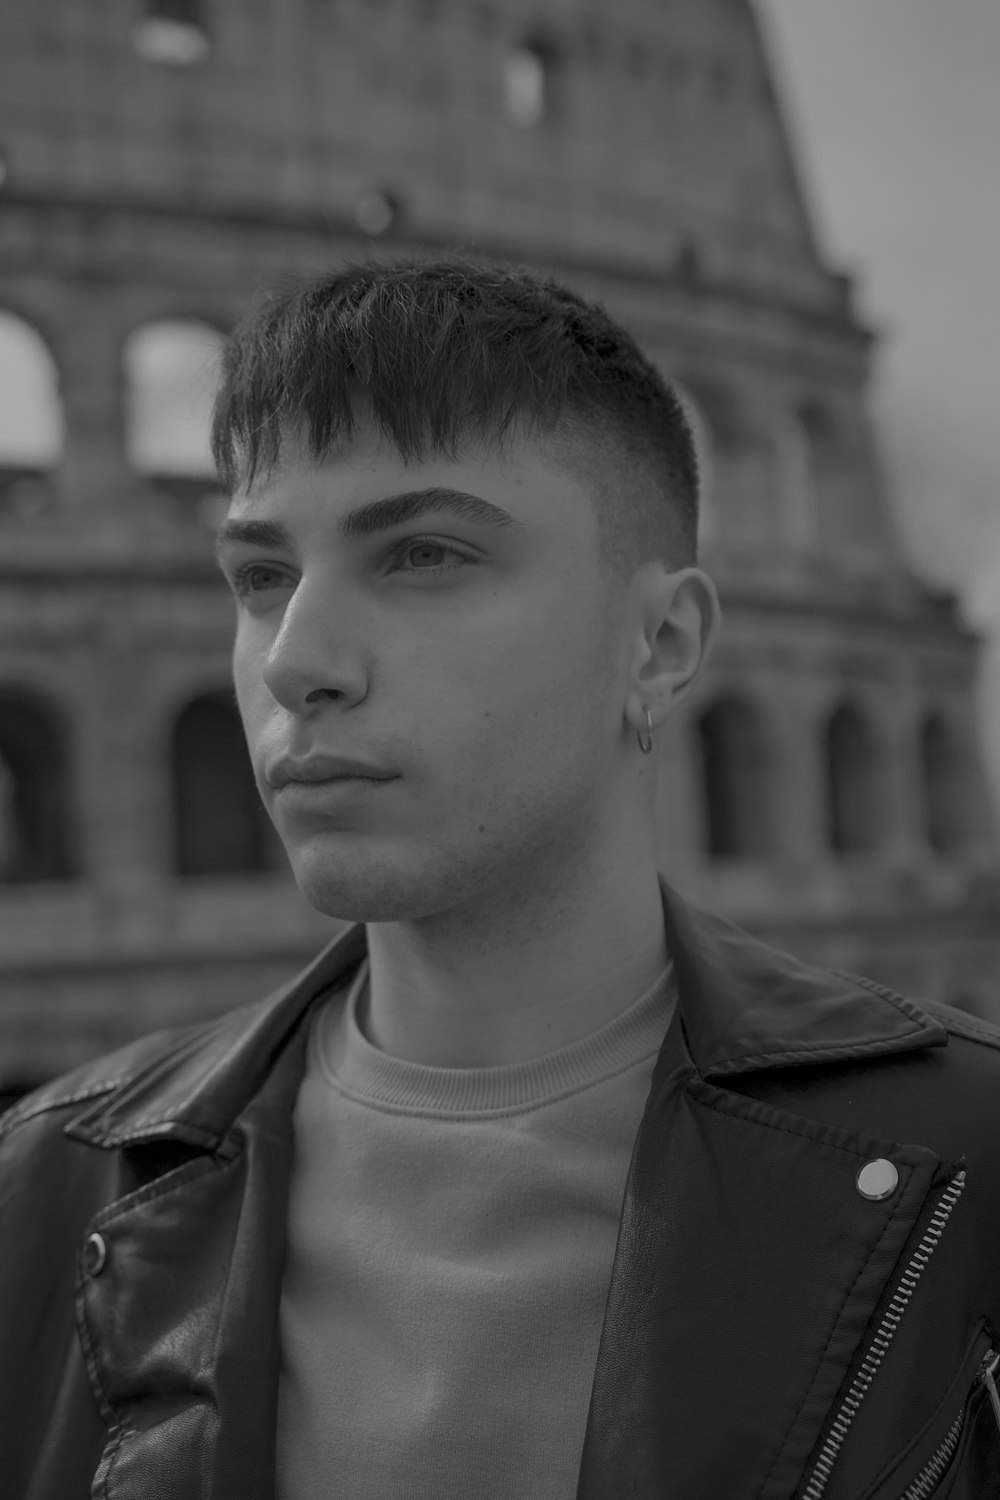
(377, 515)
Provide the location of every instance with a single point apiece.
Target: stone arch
(32, 423)
(820, 426)
(796, 463)
(855, 781)
(817, 475)
(220, 825)
(172, 33)
(170, 367)
(36, 815)
(736, 778)
(530, 79)
(944, 783)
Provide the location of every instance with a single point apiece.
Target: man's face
(473, 663)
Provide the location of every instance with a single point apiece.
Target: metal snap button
(95, 1253)
(877, 1179)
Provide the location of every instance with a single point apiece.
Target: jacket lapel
(746, 1006)
(747, 1264)
(194, 1091)
(180, 1328)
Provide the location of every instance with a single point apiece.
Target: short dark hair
(439, 352)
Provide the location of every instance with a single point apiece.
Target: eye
(247, 581)
(425, 554)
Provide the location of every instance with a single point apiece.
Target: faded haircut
(440, 354)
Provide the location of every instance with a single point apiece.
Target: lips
(312, 768)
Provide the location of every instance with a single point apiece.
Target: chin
(368, 890)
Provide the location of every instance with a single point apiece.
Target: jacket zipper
(879, 1346)
(933, 1472)
(988, 1375)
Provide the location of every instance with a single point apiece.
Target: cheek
(252, 698)
(554, 650)
(245, 683)
(515, 688)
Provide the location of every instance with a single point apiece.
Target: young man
(538, 1183)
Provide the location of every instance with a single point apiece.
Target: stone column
(898, 727)
(94, 476)
(799, 787)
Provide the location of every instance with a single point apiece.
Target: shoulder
(111, 1071)
(969, 1064)
(944, 1096)
(957, 1078)
(959, 1023)
(190, 1081)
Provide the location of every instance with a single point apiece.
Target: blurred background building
(165, 160)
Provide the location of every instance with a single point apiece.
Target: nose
(317, 654)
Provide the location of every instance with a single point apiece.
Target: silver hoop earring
(646, 740)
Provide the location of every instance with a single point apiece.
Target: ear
(678, 620)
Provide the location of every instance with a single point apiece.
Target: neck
(514, 976)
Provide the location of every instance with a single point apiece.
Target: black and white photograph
(499, 750)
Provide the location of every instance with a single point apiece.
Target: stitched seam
(122, 1138)
(116, 1429)
(148, 1194)
(115, 1424)
(827, 1049)
(962, 1025)
(971, 1030)
(191, 1171)
(707, 1104)
(799, 1135)
(893, 996)
(140, 1121)
(18, 1116)
(825, 1351)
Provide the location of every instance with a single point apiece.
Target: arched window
(221, 827)
(736, 779)
(944, 785)
(802, 444)
(173, 33)
(31, 416)
(528, 78)
(854, 782)
(170, 369)
(36, 817)
(813, 470)
(377, 212)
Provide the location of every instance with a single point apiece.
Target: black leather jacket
(771, 1331)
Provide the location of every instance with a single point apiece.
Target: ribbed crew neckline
(349, 1062)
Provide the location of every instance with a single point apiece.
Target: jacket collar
(746, 1006)
(743, 1006)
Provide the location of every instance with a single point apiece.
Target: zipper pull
(987, 1374)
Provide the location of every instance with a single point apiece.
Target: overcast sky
(896, 109)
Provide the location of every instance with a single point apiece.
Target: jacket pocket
(929, 1468)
